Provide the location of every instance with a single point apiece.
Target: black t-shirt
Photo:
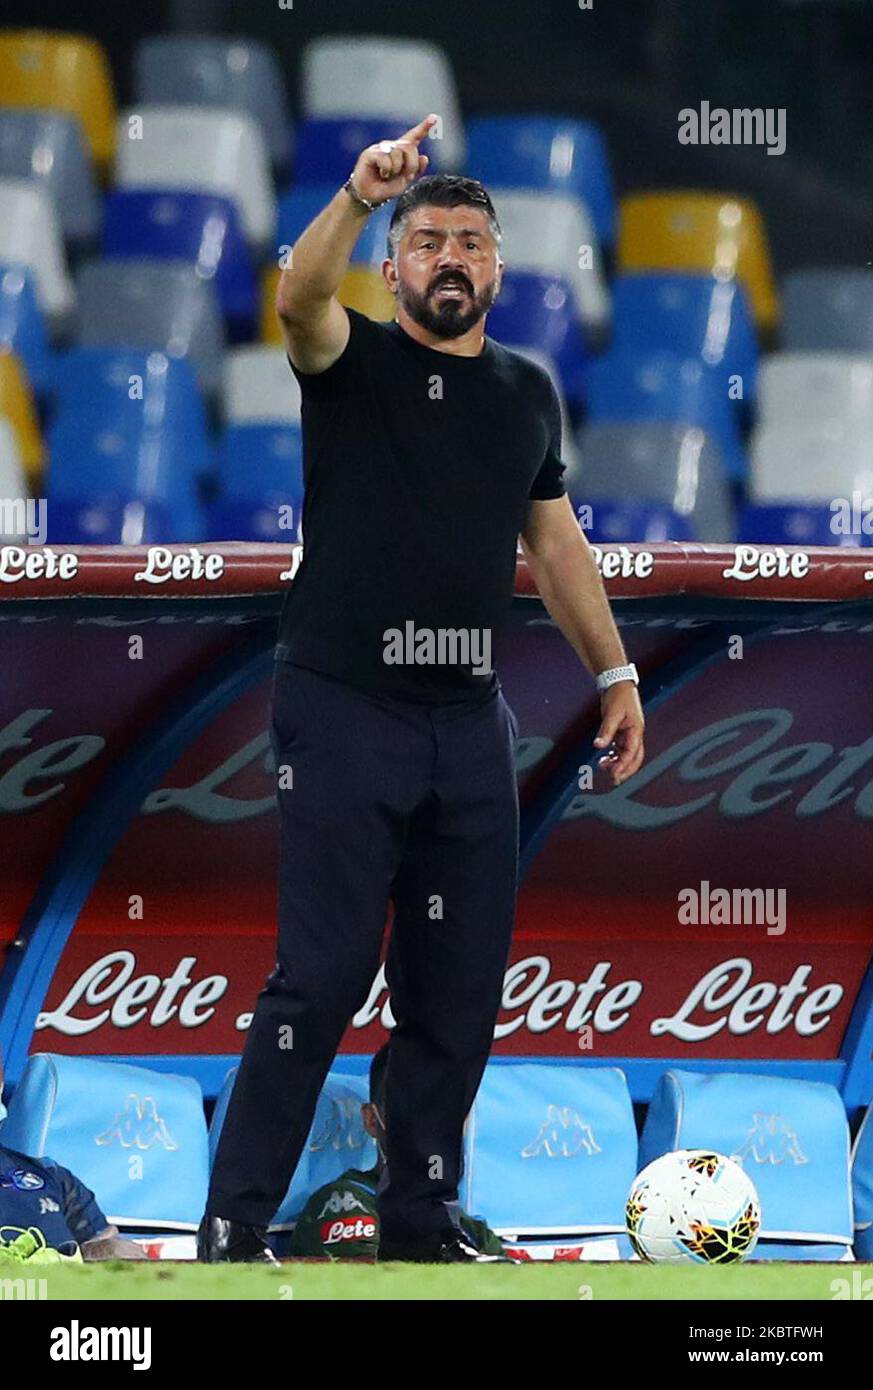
(418, 467)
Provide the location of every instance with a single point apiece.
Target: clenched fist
(386, 170)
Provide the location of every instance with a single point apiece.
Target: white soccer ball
(693, 1206)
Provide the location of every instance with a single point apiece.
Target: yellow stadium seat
(61, 72)
(361, 289)
(704, 232)
(18, 408)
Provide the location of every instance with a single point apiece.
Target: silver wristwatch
(616, 674)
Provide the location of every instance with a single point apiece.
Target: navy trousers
(389, 800)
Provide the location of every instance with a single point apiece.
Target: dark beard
(451, 319)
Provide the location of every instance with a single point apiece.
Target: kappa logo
(339, 1202)
(138, 1126)
(563, 1134)
(47, 1204)
(771, 1139)
(343, 1127)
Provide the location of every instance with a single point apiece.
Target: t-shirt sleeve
(549, 481)
(316, 384)
(81, 1212)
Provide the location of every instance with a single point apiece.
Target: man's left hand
(621, 726)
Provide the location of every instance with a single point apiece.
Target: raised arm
(315, 326)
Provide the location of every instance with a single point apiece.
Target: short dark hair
(442, 191)
(378, 1072)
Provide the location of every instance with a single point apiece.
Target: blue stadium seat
(301, 204)
(664, 386)
(337, 1140)
(199, 228)
(260, 484)
(129, 427)
(551, 1150)
(96, 1117)
(862, 1187)
(139, 302)
(793, 523)
(328, 147)
(237, 74)
(111, 520)
(539, 311)
(49, 149)
(792, 1139)
(22, 327)
(691, 315)
(617, 520)
(555, 152)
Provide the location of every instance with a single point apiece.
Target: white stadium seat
(30, 235)
(402, 79)
(200, 150)
(550, 234)
(807, 462)
(260, 387)
(816, 387)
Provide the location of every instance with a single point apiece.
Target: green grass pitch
(541, 1282)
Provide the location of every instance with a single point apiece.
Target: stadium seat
(60, 72)
(676, 469)
(50, 150)
(328, 147)
(22, 327)
(615, 519)
(692, 315)
(550, 1150)
(648, 387)
(792, 1139)
(13, 485)
(363, 76)
(197, 150)
(862, 1187)
(260, 475)
(816, 387)
(234, 74)
(559, 153)
(705, 232)
(337, 1140)
(302, 204)
(196, 227)
(810, 462)
(107, 520)
(792, 523)
(137, 1138)
(30, 236)
(164, 305)
(551, 234)
(128, 427)
(18, 409)
(828, 310)
(539, 311)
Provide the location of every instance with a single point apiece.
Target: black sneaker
(222, 1241)
(445, 1248)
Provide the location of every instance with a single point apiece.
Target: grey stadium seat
(828, 310)
(152, 304)
(236, 74)
(49, 149)
(675, 465)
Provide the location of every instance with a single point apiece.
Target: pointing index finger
(418, 132)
